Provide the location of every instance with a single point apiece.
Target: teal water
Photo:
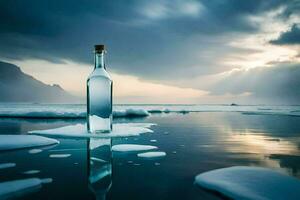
(194, 142)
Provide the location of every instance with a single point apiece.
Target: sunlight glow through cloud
(72, 77)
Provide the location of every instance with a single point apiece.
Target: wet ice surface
(194, 143)
(34, 151)
(59, 155)
(19, 188)
(80, 131)
(250, 183)
(75, 111)
(7, 165)
(10, 142)
(132, 147)
(153, 154)
(32, 172)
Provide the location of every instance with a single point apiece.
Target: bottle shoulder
(99, 72)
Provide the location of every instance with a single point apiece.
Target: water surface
(194, 142)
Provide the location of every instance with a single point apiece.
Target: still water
(193, 143)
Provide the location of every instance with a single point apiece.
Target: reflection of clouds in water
(260, 144)
(259, 147)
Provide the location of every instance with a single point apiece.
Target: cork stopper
(99, 47)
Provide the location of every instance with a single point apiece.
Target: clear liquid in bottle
(99, 96)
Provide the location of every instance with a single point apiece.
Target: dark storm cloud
(290, 37)
(279, 84)
(150, 39)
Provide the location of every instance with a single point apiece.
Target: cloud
(126, 88)
(277, 84)
(290, 37)
(158, 10)
(189, 38)
(162, 42)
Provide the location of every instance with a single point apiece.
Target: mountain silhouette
(16, 86)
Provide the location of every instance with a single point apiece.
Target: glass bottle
(99, 96)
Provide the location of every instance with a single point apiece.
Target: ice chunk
(7, 165)
(132, 147)
(46, 180)
(80, 131)
(78, 111)
(250, 183)
(34, 151)
(59, 155)
(153, 154)
(19, 188)
(130, 112)
(62, 111)
(31, 172)
(10, 142)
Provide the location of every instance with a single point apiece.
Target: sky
(161, 51)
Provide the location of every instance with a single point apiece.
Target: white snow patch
(132, 147)
(47, 180)
(61, 111)
(10, 142)
(34, 151)
(32, 172)
(7, 165)
(19, 188)
(79, 111)
(154, 154)
(250, 183)
(80, 131)
(59, 155)
(131, 112)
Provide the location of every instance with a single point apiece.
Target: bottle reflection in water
(99, 167)
(99, 96)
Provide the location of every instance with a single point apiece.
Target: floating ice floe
(132, 147)
(80, 131)
(10, 142)
(59, 155)
(79, 111)
(250, 183)
(40, 111)
(154, 154)
(21, 187)
(7, 165)
(29, 172)
(34, 151)
(130, 112)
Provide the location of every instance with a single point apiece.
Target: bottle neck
(99, 60)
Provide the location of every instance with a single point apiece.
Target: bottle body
(99, 99)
